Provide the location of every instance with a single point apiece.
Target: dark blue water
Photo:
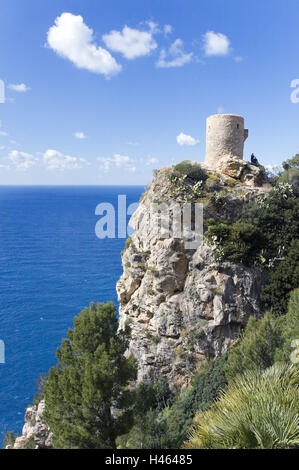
(51, 266)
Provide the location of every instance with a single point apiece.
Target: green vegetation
(191, 170)
(91, 378)
(240, 242)
(266, 235)
(260, 407)
(204, 389)
(265, 341)
(9, 439)
(289, 327)
(291, 172)
(283, 278)
(256, 347)
(162, 420)
(258, 410)
(187, 180)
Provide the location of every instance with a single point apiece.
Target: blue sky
(98, 91)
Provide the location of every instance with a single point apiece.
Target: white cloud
(274, 169)
(72, 39)
(132, 43)
(20, 88)
(167, 29)
(118, 161)
(154, 27)
(184, 139)
(216, 44)
(55, 160)
(80, 135)
(220, 110)
(175, 56)
(3, 134)
(22, 161)
(152, 161)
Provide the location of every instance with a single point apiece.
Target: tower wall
(225, 136)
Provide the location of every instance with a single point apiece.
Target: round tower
(225, 136)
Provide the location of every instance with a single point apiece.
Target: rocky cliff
(184, 305)
(35, 433)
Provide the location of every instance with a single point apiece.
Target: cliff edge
(185, 305)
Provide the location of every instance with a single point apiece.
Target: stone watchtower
(225, 137)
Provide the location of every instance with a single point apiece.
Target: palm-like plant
(260, 409)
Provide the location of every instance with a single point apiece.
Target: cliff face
(34, 428)
(183, 305)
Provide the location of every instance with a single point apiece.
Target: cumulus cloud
(22, 161)
(184, 139)
(131, 43)
(80, 135)
(20, 88)
(175, 56)
(55, 160)
(72, 39)
(216, 44)
(118, 161)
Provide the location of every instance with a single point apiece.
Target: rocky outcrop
(35, 432)
(184, 305)
(235, 167)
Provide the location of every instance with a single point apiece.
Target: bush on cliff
(191, 170)
(240, 242)
(265, 341)
(163, 423)
(282, 280)
(258, 410)
(204, 389)
(87, 398)
(256, 348)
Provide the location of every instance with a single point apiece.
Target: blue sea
(52, 265)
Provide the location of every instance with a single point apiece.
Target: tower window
(238, 126)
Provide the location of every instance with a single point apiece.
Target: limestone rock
(237, 168)
(183, 305)
(35, 427)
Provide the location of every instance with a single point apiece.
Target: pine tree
(87, 398)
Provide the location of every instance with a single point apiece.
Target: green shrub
(283, 278)
(256, 348)
(258, 410)
(240, 242)
(9, 439)
(149, 430)
(289, 327)
(204, 389)
(190, 169)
